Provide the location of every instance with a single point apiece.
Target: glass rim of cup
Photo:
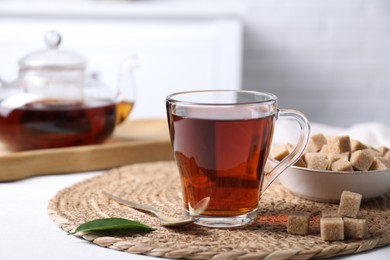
(270, 100)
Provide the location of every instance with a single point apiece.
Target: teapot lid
(52, 57)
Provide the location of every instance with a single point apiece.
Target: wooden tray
(133, 141)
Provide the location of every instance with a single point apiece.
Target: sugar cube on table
(298, 223)
(361, 160)
(349, 204)
(332, 228)
(355, 228)
(339, 144)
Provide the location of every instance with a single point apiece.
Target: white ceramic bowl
(327, 186)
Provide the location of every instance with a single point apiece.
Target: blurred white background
(329, 59)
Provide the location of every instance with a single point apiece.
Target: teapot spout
(126, 88)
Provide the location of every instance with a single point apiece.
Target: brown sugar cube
(382, 150)
(317, 161)
(332, 157)
(298, 223)
(300, 162)
(342, 165)
(357, 145)
(380, 164)
(316, 142)
(279, 152)
(349, 204)
(387, 155)
(373, 152)
(332, 228)
(306, 156)
(325, 149)
(361, 160)
(355, 228)
(339, 144)
(329, 214)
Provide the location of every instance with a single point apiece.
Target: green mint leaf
(112, 224)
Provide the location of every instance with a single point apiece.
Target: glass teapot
(53, 103)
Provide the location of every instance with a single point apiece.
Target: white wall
(328, 58)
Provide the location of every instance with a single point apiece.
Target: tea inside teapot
(57, 123)
(51, 104)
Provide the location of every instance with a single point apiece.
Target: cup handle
(298, 150)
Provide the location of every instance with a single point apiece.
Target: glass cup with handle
(221, 141)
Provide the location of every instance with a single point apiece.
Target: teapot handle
(126, 89)
(126, 81)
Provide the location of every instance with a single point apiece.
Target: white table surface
(27, 232)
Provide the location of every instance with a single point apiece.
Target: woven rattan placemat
(157, 184)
